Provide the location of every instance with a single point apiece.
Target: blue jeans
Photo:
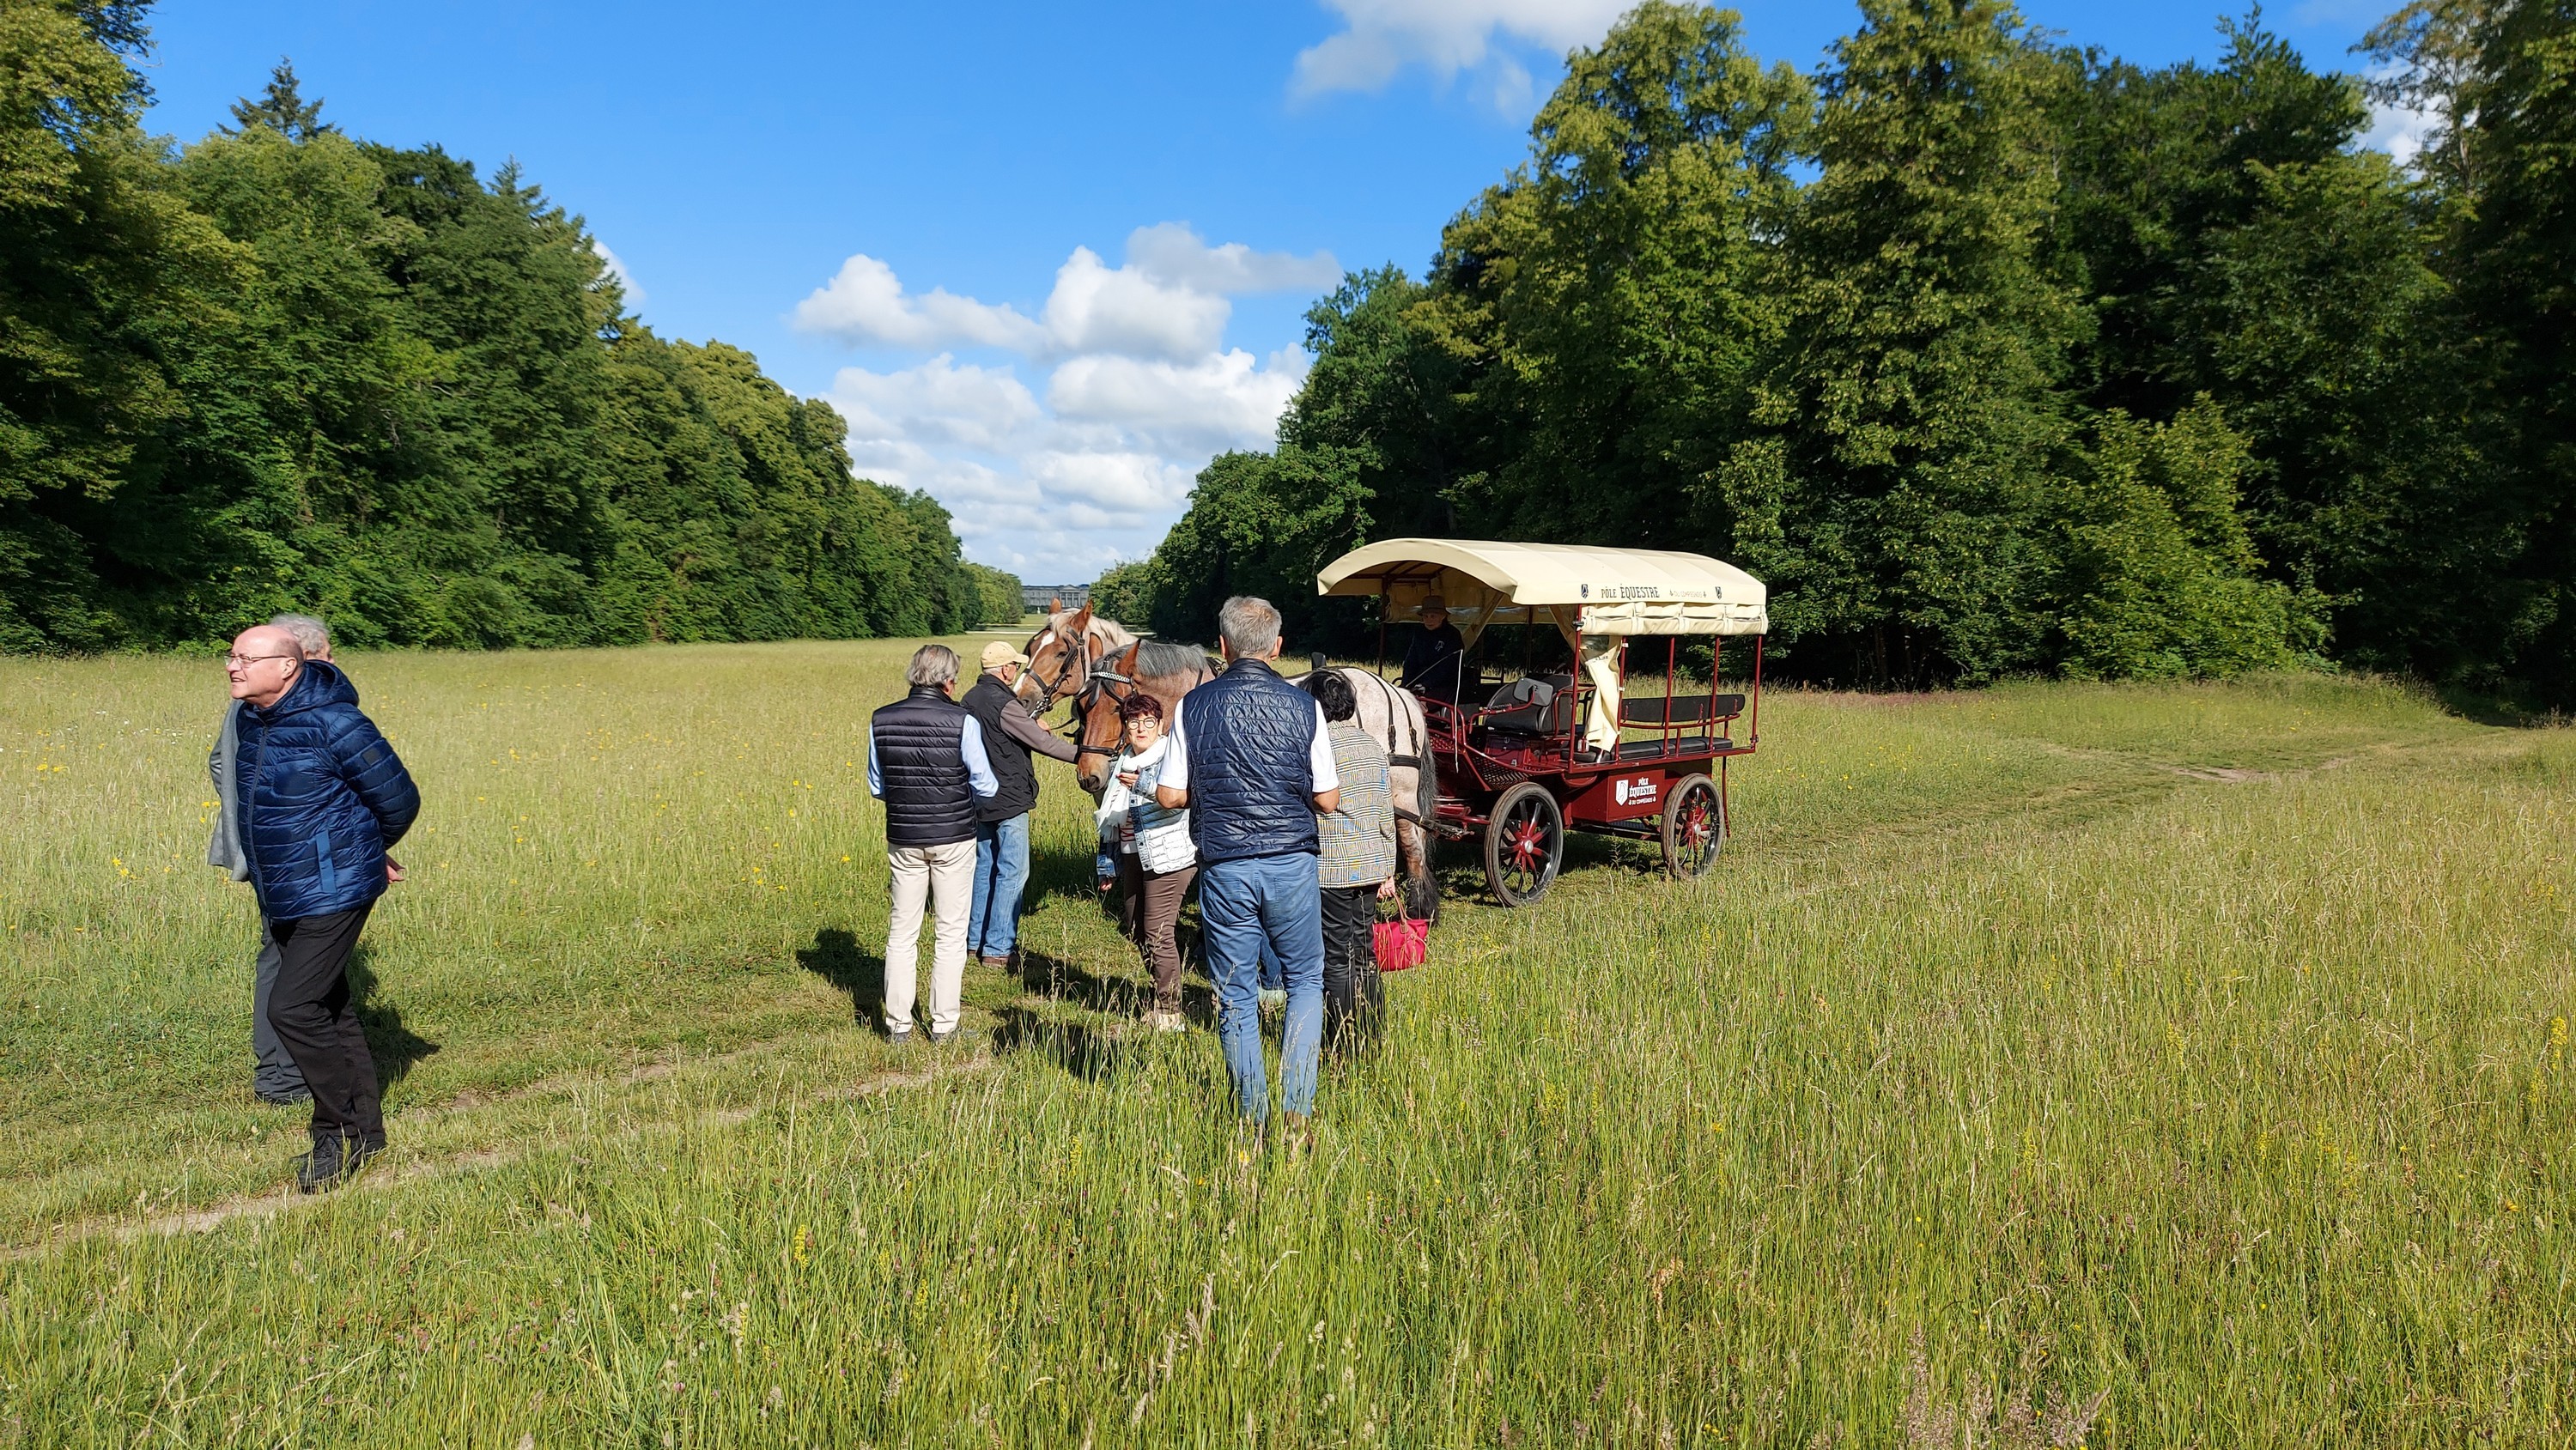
(1001, 874)
(1244, 906)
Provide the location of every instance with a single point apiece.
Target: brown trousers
(1149, 907)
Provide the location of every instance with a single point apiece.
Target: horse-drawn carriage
(1517, 757)
(1523, 756)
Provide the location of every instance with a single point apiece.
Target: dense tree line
(284, 368)
(1992, 356)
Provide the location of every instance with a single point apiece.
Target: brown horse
(1063, 652)
(1391, 716)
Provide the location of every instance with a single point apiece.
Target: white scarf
(1117, 800)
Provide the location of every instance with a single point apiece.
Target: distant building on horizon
(1038, 598)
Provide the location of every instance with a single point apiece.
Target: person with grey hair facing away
(1251, 759)
(927, 762)
(274, 1077)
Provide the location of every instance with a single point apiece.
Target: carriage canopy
(1578, 589)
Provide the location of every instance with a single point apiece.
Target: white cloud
(1098, 308)
(973, 406)
(1058, 488)
(616, 265)
(1058, 482)
(1167, 301)
(2398, 131)
(1445, 37)
(1174, 252)
(1222, 401)
(866, 303)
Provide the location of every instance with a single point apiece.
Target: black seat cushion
(1685, 709)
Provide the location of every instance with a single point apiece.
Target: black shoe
(334, 1161)
(292, 1098)
(320, 1170)
(941, 1039)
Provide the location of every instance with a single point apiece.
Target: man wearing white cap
(1011, 733)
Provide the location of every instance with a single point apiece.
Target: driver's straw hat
(998, 653)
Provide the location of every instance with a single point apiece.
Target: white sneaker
(1167, 1022)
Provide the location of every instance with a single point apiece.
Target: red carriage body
(1523, 759)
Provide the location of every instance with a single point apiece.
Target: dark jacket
(1249, 734)
(1010, 733)
(1432, 665)
(929, 797)
(321, 796)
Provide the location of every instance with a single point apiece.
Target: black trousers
(1354, 996)
(313, 1014)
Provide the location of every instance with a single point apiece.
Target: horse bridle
(1076, 644)
(1097, 685)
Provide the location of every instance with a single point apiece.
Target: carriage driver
(1436, 660)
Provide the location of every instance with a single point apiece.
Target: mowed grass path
(2203, 1049)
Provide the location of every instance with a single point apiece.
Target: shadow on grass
(394, 1046)
(837, 958)
(1062, 874)
(1071, 982)
(1082, 1051)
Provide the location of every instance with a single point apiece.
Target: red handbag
(1402, 943)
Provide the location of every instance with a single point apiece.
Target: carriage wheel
(1694, 827)
(1524, 844)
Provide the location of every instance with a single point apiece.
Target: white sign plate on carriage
(1577, 588)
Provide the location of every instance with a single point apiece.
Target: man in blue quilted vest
(319, 795)
(1251, 760)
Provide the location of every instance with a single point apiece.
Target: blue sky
(1047, 258)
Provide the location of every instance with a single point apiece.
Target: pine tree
(282, 108)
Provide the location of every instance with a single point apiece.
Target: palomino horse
(1074, 658)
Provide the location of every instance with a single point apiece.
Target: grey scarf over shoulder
(224, 851)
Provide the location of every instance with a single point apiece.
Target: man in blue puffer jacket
(320, 796)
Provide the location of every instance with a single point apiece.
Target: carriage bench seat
(1686, 710)
(1537, 705)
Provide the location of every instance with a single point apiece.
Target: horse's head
(1139, 667)
(1097, 728)
(1060, 656)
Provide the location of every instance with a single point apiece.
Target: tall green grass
(2200, 1049)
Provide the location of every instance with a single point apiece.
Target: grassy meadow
(2140, 1066)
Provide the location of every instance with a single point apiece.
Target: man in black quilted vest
(926, 761)
(1251, 760)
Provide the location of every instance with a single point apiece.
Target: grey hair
(311, 634)
(1249, 626)
(932, 664)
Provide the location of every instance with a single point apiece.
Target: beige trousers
(945, 875)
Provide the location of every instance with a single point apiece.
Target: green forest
(286, 368)
(1989, 355)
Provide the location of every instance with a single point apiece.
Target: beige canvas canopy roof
(1579, 590)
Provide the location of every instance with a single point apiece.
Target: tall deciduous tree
(1902, 498)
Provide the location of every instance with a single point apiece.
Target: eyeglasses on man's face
(243, 662)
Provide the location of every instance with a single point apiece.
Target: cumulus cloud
(940, 401)
(865, 302)
(2399, 131)
(1061, 486)
(616, 265)
(1445, 37)
(1059, 481)
(1219, 402)
(1168, 300)
(1174, 252)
